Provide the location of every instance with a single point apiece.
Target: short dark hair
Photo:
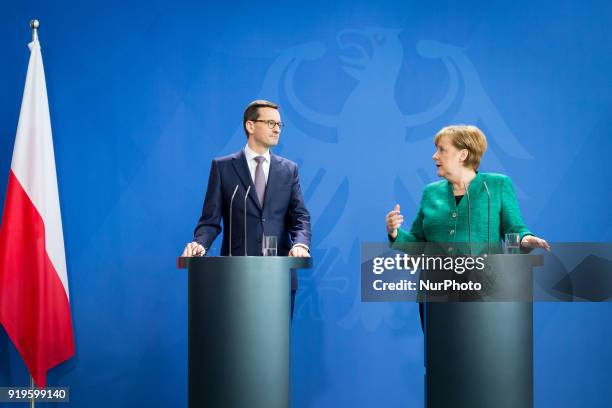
(252, 111)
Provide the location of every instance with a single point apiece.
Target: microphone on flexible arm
(467, 193)
(245, 220)
(230, 219)
(488, 217)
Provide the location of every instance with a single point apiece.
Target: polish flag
(34, 301)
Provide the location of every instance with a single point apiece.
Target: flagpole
(34, 24)
(32, 401)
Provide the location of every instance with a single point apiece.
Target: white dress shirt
(250, 157)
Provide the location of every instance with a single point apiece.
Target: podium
(479, 351)
(239, 330)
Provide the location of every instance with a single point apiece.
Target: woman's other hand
(394, 220)
(530, 241)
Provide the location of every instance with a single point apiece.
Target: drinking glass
(512, 242)
(269, 245)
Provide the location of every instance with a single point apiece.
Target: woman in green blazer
(466, 206)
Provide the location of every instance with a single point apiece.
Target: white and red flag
(34, 301)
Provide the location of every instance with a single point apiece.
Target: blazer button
(454, 214)
(263, 220)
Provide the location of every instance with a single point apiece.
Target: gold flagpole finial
(34, 24)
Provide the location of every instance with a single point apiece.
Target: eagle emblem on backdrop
(356, 162)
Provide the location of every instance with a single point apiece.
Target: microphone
(467, 193)
(488, 216)
(245, 220)
(230, 219)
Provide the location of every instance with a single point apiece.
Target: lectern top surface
(283, 261)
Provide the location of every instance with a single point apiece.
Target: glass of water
(513, 242)
(270, 245)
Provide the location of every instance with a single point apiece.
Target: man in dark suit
(274, 205)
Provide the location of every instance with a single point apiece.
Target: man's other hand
(299, 252)
(194, 249)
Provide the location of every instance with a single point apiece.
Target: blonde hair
(466, 137)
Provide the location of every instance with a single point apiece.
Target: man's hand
(194, 249)
(529, 241)
(394, 220)
(299, 252)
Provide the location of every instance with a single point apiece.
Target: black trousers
(421, 314)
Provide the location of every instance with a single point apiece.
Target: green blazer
(439, 219)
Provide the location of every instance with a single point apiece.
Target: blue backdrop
(144, 95)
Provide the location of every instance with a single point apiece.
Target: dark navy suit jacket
(283, 213)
